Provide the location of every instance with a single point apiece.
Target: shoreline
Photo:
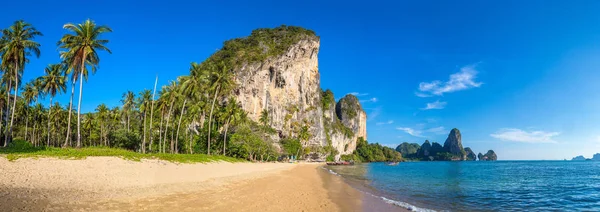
(115, 184)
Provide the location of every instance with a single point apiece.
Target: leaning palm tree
(81, 47)
(17, 45)
(52, 83)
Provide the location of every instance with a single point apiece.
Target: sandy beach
(114, 184)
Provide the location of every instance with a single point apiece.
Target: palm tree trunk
(210, 116)
(162, 117)
(33, 139)
(144, 141)
(79, 104)
(12, 117)
(26, 126)
(152, 113)
(167, 127)
(225, 136)
(7, 111)
(70, 108)
(191, 149)
(179, 125)
(49, 110)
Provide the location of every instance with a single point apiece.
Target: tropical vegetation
(366, 152)
(192, 114)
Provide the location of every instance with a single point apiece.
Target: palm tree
(52, 83)
(170, 94)
(221, 79)
(30, 94)
(143, 102)
(17, 45)
(82, 46)
(234, 116)
(152, 113)
(102, 111)
(88, 124)
(128, 104)
(37, 112)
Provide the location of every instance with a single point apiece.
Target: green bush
(124, 139)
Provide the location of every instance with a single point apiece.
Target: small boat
(392, 163)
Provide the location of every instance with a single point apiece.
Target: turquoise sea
(480, 185)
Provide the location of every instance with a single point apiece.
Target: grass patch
(20, 150)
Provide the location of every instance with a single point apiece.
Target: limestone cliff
(453, 144)
(287, 87)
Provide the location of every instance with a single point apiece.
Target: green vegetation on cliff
(260, 45)
(366, 152)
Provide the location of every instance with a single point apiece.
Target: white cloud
(358, 94)
(385, 123)
(518, 135)
(435, 105)
(438, 130)
(462, 80)
(410, 131)
(370, 100)
(423, 95)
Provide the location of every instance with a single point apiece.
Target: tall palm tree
(233, 115)
(17, 45)
(103, 112)
(30, 94)
(37, 115)
(144, 101)
(82, 46)
(128, 105)
(170, 94)
(152, 113)
(52, 83)
(221, 79)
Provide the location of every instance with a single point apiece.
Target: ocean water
(481, 185)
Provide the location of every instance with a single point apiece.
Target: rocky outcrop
(453, 144)
(470, 154)
(596, 157)
(408, 150)
(580, 157)
(287, 86)
(425, 149)
(436, 148)
(489, 156)
(480, 156)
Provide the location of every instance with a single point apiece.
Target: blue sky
(519, 77)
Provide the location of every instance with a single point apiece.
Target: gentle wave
(388, 201)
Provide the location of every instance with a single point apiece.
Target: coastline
(114, 184)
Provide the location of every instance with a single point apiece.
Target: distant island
(596, 157)
(451, 151)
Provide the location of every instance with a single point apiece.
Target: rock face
(470, 154)
(425, 149)
(596, 157)
(480, 156)
(579, 158)
(489, 156)
(453, 144)
(287, 86)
